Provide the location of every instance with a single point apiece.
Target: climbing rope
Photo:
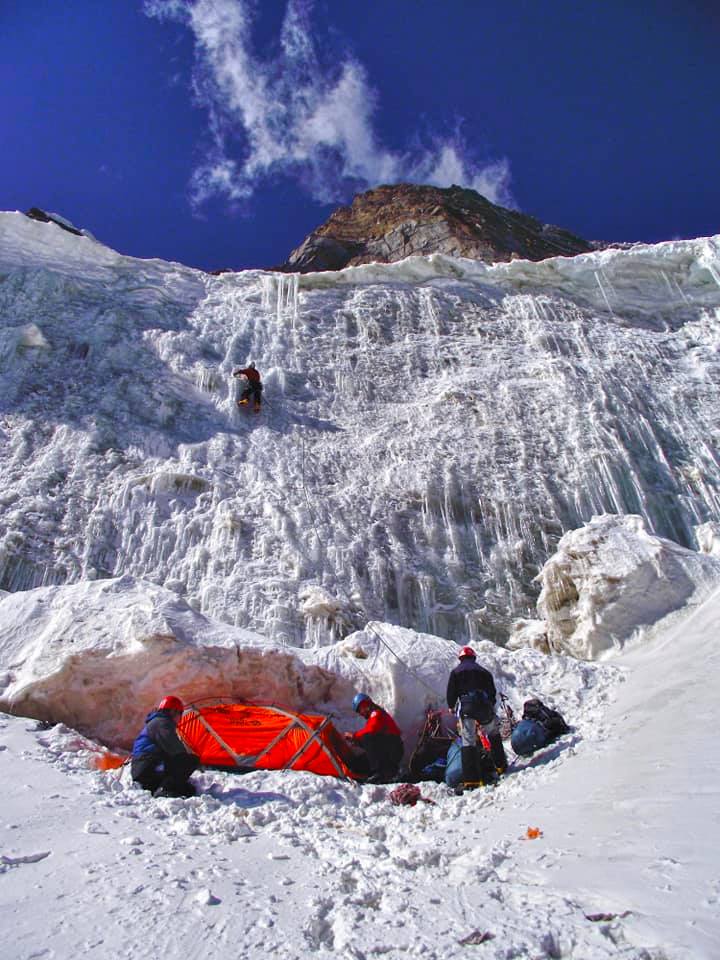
(400, 660)
(310, 509)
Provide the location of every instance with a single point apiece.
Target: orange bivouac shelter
(251, 736)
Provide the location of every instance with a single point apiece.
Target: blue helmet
(358, 699)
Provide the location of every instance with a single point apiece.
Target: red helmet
(466, 652)
(171, 703)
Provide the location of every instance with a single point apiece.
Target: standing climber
(471, 694)
(160, 762)
(253, 389)
(379, 739)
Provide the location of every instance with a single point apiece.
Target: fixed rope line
(402, 662)
(307, 499)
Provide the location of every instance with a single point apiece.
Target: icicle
(602, 290)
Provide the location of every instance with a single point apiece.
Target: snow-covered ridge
(650, 276)
(432, 428)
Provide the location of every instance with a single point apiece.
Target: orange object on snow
(108, 761)
(248, 736)
(533, 833)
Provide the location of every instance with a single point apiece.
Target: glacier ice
(611, 582)
(432, 428)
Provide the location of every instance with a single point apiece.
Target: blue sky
(220, 132)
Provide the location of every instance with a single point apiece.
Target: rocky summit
(390, 223)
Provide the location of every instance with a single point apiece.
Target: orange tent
(247, 736)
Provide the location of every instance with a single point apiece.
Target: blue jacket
(158, 737)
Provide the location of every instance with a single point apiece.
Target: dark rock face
(35, 213)
(390, 223)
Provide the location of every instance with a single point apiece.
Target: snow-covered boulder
(528, 633)
(607, 581)
(401, 669)
(707, 536)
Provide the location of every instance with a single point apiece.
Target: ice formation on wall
(431, 429)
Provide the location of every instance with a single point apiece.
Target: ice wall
(431, 428)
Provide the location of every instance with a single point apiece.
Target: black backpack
(553, 721)
(477, 705)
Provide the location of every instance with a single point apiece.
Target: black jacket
(466, 677)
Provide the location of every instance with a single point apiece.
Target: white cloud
(291, 115)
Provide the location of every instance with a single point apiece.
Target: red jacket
(249, 372)
(379, 721)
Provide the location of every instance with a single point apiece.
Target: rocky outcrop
(35, 213)
(390, 223)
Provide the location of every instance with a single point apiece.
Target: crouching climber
(379, 741)
(471, 694)
(160, 762)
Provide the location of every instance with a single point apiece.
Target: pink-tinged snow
(293, 865)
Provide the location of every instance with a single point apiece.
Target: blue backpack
(529, 736)
(453, 765)
(539, 726)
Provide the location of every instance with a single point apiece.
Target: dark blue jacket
(466, 677)
(158, 737)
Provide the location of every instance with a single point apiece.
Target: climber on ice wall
(253, 388)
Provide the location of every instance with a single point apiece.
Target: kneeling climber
(471, 694)
(379, 739)
(160, 762)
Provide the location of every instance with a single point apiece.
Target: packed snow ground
(431, 428)
(290, 864)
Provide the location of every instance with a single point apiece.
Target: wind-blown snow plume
(294, 115)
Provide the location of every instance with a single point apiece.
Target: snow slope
(431, 429)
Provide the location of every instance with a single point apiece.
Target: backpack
(529, 736)
(553, 721)
(478, 706)
(453, 767)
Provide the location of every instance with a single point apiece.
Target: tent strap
(315, 735)
(240, 761)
